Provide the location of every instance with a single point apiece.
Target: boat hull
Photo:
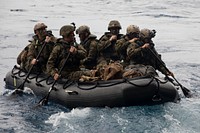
(112, 93)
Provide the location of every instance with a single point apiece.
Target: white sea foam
(55, 119)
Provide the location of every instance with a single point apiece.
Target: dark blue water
(177, 23)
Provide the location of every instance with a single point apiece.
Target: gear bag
(139, 70)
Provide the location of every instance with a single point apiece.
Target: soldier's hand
(34, 61)
(133, 40)
(170, 73)
(146, 45)
(113, 37)
(56, 76)
(48, 39)
(72, 50)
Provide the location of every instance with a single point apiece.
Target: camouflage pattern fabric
(138, 55)
(138, 70)
(77, 75)
(22, 57)
(90, 45)
(107, 50)
(33, 51)
(112, 71)
(121, 48)
(57, 58)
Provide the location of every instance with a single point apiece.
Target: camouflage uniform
(132, 32)
(22, 57)
(89, 42)
(139, 55)
(59, 54)
(33, 51)
(106, 48)
(121, 47)
(90, 45)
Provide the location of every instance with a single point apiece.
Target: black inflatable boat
(112, 93)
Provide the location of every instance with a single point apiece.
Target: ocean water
(177, 23)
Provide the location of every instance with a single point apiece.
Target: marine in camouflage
(33, 51)
(58, 55)
(139, 55)
(132, 34)
(106, 46)
(89, 42)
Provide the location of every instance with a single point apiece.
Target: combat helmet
(146, 33)
(114, 24)
(66, 30)
(132, 29)
(82, 29)
(39, 26)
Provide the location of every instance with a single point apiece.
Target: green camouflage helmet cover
(39, 26)
(146, 33)
(66, 30)
(114, 24)
(132, 29)
(83, 29)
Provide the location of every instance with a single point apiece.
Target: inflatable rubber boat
(111, 93)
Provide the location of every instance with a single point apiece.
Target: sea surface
(177, 23)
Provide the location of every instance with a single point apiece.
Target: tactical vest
(109, 52)
(72, 63)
